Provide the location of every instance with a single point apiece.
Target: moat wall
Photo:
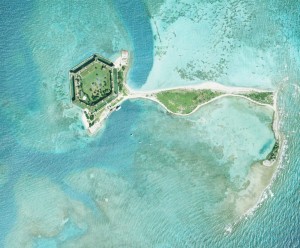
(89, 60)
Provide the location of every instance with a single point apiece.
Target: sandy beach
(210, 85)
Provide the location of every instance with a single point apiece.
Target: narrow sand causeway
(152, 95)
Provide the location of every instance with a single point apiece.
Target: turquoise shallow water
(137, 184)
(237, 43)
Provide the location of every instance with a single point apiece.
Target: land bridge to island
(178, 100)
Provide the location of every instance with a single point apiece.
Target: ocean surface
(148, 178)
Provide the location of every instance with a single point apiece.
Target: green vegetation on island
(261, 97)
(121, 78)
(273, 154)
(96, 83)
(185, 101)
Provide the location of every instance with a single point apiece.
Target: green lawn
(185, 101)
(115, 75)
(96, 82)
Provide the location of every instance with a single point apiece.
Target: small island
(98, 87)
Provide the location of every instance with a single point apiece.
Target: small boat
(118, 107)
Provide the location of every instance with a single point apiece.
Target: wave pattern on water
(164, 193)
(150, 178)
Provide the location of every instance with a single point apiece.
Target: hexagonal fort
(94, 82)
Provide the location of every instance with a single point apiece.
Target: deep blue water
(265, 147)
(136, 20)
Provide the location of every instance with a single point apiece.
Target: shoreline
(266, 193)
(228, 91)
